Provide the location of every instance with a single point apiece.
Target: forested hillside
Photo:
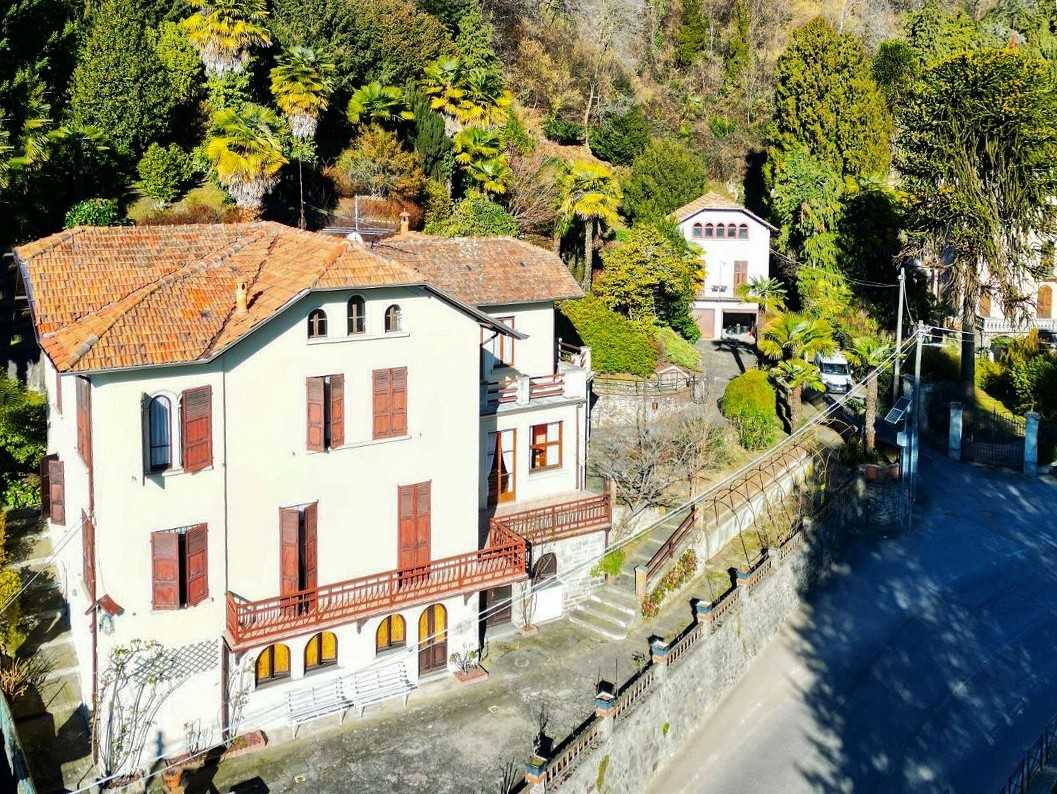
(582, 123)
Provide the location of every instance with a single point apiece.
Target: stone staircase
(51, 723)
(612, 609)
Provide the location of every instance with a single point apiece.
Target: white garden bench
(376, 684)
(310, 704)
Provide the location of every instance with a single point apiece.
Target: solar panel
(899, 410)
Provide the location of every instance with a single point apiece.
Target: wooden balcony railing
(564, 520)
(509, 390)
(502, 560)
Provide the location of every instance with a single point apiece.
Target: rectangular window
(389, 404)
(502, 457)
(84, 420)
(179, 567)
(53, 489)
(298, 556)
(741, 273)
(501, 346)
(326, 412)
(196, 428)
(546, 446)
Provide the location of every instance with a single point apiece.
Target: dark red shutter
(398, 402)
(311, 547)
(56, 491)
(381, 390)
(314, 391)
(337, 410)
(165, 569)
(45, 483)
(196, 412)
(289, 521)
(196, 566)
(88, 552)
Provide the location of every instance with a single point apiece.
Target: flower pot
(246, 743)
(476, 675)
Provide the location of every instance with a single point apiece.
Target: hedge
(750, 391)
(677, 350)
(617, 344)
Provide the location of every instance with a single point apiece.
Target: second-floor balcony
(556, 518)
(502, 561)
(523, 390)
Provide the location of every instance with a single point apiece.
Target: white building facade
(735, 245)
(284, 456)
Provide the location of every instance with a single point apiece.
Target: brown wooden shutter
(196, 413)
(422, 523)
(58, 392)
(315, 414)
(56, 491)
(45, 483)
(289, 522)
(380, 404)
(398, 402)
(311, 546)
(337, 410)
(405, 510)
(196, 564)
(165, 569)
(88, 553)
(84, 420)
(741, 273)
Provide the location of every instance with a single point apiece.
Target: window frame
(743, 231)
(544, 446)
(170, 430)
(393, 310)
(183, 567)
(356, 316)
(732, 231)
(391, 645)
(314, 323)
(710, 231)
(697, 231)
(273, 676)
(322, 662)
(721, 231)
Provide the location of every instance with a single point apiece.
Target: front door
(413, 532)
(706, 321)
(432, 639)
(501, 477)
(497, 605)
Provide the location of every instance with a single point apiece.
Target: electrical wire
(66, 538)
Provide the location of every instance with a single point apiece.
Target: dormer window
(317, 324)
(743, 231)
(357, 315)
(393, 319)
(697, 230)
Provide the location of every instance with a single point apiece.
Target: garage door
(706, 321)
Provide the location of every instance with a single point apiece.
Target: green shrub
(755, 430)
(611, 564)
(164, 172)
(617, 344)
(475, 216)
(677, 350)
(93, 212)
(750, 403)
(680, 573)
(621, 137)
(564, 132)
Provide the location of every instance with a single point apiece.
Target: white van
(836, 373)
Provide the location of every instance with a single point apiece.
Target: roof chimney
(240, 299)
(405, 222)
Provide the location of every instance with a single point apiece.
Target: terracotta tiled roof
(714, 201)
(484, 271)
(118, 297)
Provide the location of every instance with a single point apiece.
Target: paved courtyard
(927, 665)
(723, 360)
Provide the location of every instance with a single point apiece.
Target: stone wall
(622, 409)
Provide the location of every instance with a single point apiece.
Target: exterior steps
(610, 611)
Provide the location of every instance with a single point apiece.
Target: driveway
(722, 361)
(927, 664)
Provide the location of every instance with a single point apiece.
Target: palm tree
(792, 335)
(590, 193)
(869, 353)
(380, 104)
(476, 143)
(301, 85)
(442, 82)
(246, 153)
(224, 30)
(797, 374)
(767, 292)
(493, 175)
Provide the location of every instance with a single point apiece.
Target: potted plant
(468, 668)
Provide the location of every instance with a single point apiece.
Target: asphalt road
(927, 664)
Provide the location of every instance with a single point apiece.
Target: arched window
(743, 231)
(159, 428)
(985, 305)
(393, 319)
(317, 323)
(721, 231)
(321, 651)
(710, 230)
(391, 633)
(546, 568)
(732, 231)
(273, 664)
(1044, 304)
(432, 639)
(697, 230)
(357, 315)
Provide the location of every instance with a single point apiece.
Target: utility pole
(899, 335)
(914, 437)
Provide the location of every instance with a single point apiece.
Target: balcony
(524, 390)
(1002, 325)
(500, 562)
(562, 519)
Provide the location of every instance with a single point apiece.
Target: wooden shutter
(315, 414)
(84, 420)
(405, 509)
(165, 569)
(311, 547)
(380, 404)
(337, 410)
(58, 392)
(289, 557)
(88, 553)
(398, 402)
(196, 412)
(56, 491)
(45, 483)
(422, 523)
(196, 565)
(741, 273)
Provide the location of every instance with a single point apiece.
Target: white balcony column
(524, 389)
(585, 358)
(574, 383)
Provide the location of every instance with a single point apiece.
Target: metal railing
(1036, 757)
(668, 549)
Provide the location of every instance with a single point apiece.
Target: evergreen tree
(665, 176)
(695, 33)
(739, 45)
